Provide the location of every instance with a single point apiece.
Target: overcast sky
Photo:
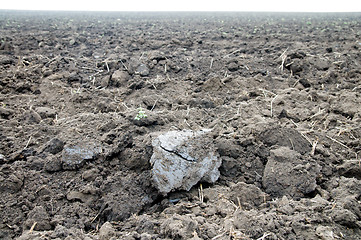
(187, 5)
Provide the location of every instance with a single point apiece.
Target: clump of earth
(250, 126)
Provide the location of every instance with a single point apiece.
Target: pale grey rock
(181, 159)
(107, 231)
(2, 159)
(142, 70)
(74, 156)
(75, 195)
(325, 232)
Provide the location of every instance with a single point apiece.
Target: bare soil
(281, 93)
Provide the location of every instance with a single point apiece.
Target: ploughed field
(180, 125)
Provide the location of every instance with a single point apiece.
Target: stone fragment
(52, 164)
(39, 216)
(54, 146)
(6, 60)
(157, 55)
(179, 227)
(90, 174)
(119, 78)
(349, 169)
(46, 112)
(344, 217)
(320, 64)
(233, 66)
(77, 196)
(305, 82)
(32, 117)
(35, 163)
(298, 54)
(74, 156)
(11, 181)
(106, 231)
(324, 232)
(142, 70)
(104, 81)
(295, 65)
(2, 159)
(6, 112)
(248, 195)
(181, 159)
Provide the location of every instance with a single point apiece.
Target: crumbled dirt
(281, 93)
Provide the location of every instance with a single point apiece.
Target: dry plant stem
(153, 85)
(294, 85)
(125, 106)
(154, 105)
(264, 236)
(200, 192)
(355, 88)
(293, 146)
(257, 174)
(283, 57)
(264, 91)
(185, 121)
(100, 211)
(96, 216)
(239, 203)
(124, 65)
(238, 109)
(210, 67)
(93, 69)
(289, 64)
(234, 205)
(32, 227)
(272, 105)
(237, 235)
(294, 123)
(314, 147)
(218, 236)
(291, 73)
(238, 50)
(305, 136)
(106, 64)
(336, 141)
(27, 144)
(316, 114)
